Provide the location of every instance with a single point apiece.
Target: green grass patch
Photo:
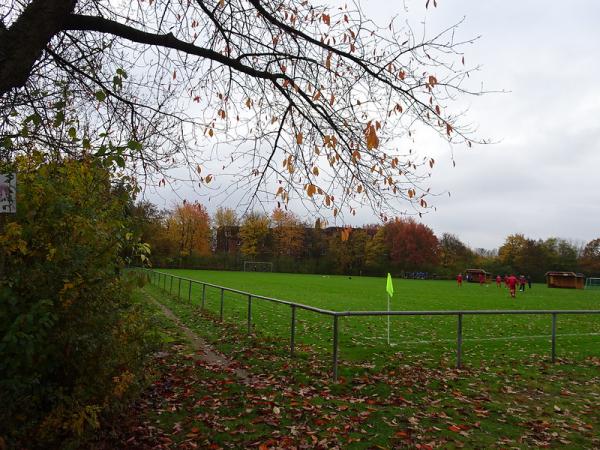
(363, 340)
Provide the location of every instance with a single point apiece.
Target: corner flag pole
(389, 288)
(388, 317)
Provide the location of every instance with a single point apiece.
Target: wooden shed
(472, 275)
(568, 280)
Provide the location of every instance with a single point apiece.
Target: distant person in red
(459, 279)
(505, 281)
(481, 279)
(522, 282)
(512, 284)
(498, 281)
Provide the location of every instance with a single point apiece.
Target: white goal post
(592, 283)
(258, 266)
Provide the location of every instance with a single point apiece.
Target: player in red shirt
(498, 281)
(512, 285)
(459, 279)
(481, 279)
(505, 281)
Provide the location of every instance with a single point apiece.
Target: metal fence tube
(179, 289)
(171, 287)
(222, 301)
(474, 312)
(554, 337)
(335, 347)
(204, 294)
(293, 331)
(249, 314)
(459, 343)
(190, 292)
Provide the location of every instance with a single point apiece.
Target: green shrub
(71, 341)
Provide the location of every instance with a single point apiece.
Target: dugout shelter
(567, 280)
(472, 275)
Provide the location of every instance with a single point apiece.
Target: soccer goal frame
(592, 283)
(258, 266)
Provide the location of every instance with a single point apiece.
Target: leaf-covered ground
(252, 395)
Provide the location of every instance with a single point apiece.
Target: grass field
(363, 340)
(407, 395)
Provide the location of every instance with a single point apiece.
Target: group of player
(510, 282)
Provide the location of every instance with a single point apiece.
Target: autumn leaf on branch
(371, 137)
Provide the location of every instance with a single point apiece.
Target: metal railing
(157, 277)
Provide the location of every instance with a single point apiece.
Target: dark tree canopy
(590, 258)
(281, 99)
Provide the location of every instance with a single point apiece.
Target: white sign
(8, 193)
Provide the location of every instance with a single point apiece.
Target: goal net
(592, 283)
(258, 266)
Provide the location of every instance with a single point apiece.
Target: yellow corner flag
(389, 287)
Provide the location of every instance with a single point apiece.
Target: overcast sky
(542, 176)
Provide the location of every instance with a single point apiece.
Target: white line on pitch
(508, 338)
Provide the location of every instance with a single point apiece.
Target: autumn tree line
(188, 236)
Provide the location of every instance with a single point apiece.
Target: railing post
(293, 331)
(553, 337)
(222, 301)
(179, 289)
(203, 294)
(250, 314)
(164, 282)
(171, 287)
(459, 342)
(335, 347)
(190, 292)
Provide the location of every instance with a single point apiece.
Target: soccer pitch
(363, 340)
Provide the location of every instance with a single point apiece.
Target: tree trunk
(22, 44)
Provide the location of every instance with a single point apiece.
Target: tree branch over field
(277, 100)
